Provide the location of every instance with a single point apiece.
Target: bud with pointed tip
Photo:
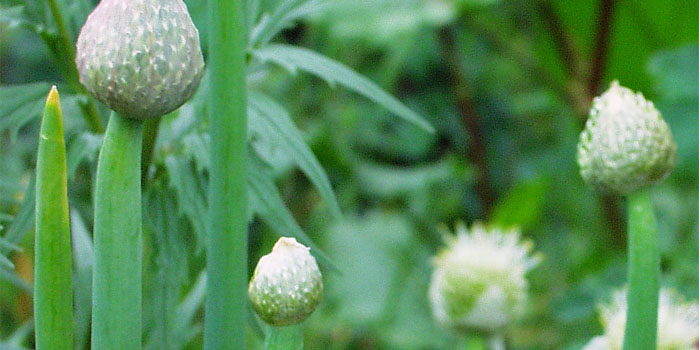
(286, 286)
(140, 57)
(626, 144)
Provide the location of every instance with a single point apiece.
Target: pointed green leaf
(53, 280)
(269, 205)
(275, 120)
(333, 72)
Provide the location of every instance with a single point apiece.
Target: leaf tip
(52, 99)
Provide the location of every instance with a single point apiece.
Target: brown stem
(601, 47)
(564, 45)
(611, 209)
(476, 147)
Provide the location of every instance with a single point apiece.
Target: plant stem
(227, 254)
(497, 342)
(601, 47)
(53, 283)
(150, 134)
(642, 274)
(285, 338)
(116, 298)
(476, 150)
(70, 71)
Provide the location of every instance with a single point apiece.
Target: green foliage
(315, 152)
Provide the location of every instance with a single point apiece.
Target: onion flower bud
(626, 143)
(286, 286)
(479, 279)
(140, 57)
(677, 327)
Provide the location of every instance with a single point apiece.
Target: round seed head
(286, 286)
(140, 57)
(479, 279)
(626, 144)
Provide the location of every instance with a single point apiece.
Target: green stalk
(225, 308)
(116, 298)
(285, 338)
(642, 274)
(53, 283)
(70, 71)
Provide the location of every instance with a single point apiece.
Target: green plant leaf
(286, 12)
(190, 189)
(24, 220)
(21, 104)
(83, 147)
(11, 276)
(268, 117)
(268, 203)
(187, 310)
(17, 338)
(293, 58)
(83, 256)
(168, 265)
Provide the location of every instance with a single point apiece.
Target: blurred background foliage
(507, 86)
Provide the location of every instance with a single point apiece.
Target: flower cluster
(678, 323)
(479, 279)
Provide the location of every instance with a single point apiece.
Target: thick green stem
(642, 274)
(285, 338)
(116, 297)
(53, 283)
(225, 318)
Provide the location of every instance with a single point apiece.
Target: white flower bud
(479, 279)
(626, 144)
(678, 323)
(286, 286)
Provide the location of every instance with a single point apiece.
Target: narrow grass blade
(53, 282)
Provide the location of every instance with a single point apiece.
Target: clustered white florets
(479, 279)
(678, 323)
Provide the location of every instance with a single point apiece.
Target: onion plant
(53, 284)
(626, 147)
(285, 289)
(142, 58)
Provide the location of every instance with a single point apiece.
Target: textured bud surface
(677, 330)
(479, 279)
(626, 144)
(140, 57)
(286, 286)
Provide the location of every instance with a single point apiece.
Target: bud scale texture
(286, 286)
(626, 144)
(142, 58)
